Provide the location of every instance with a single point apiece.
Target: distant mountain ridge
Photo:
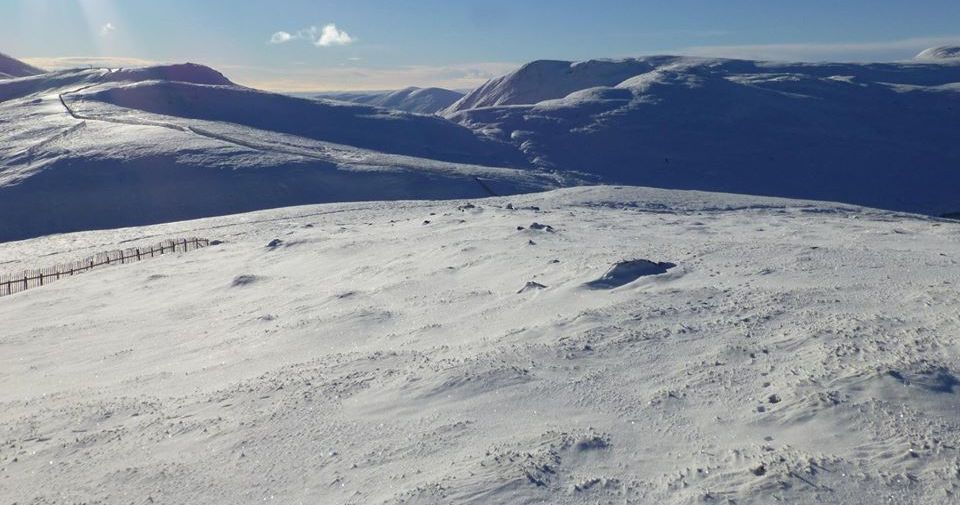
(412, 99)
(880, 135)
(96, 148)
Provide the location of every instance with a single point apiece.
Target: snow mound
(942, 53)
(625, 272)
(412, 99)
(11, 67)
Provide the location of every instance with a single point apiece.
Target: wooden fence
(15, 283)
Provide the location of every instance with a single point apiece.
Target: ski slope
(452, 352)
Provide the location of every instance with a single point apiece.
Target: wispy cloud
(328, 35)
(107, 29)
(280, 38)
(855, 51)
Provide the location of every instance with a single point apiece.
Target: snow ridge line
(16, 283)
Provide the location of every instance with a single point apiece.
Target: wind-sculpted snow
(413, 99)
(798, 353)
(881, 135)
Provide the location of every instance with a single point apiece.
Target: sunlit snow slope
(434, 352)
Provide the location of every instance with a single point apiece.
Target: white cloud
(331, 36)
(327, 36)
(280, 38)
(107, 29)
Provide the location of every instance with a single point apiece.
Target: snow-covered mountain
(97, 148)
(11, 67)
(795, 352)
(546, 79)
(103, 148)
(882, 135)
(940, 53)
(412, 99)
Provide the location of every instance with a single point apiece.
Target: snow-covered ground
(435, 352)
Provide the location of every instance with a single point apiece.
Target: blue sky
(382, 44)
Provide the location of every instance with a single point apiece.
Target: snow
(797, 352)
(159, 144)
(942, 53)
(101, 148)
(412, 99)
(881, 135)
(11, 68)
(547, 79)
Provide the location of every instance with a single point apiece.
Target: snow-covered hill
(412, 99)
(940, 53)
(451, 352)
(87, 149)
(546, 79)
(11, 67)
(98, 148)
(874, 134)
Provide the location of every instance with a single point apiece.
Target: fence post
(41, 277)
